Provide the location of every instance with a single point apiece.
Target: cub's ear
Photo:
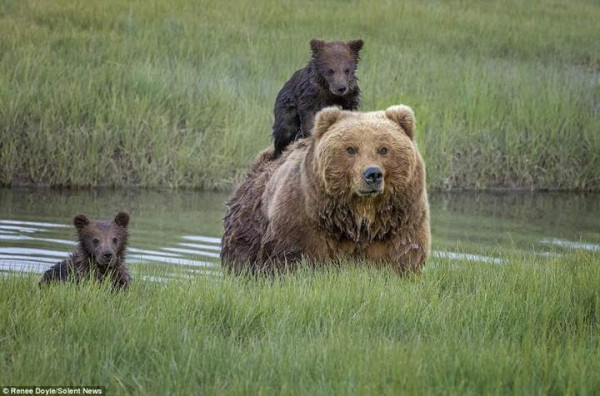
(325, 119)
(316, 45)
(122, 219)
(356, 45)
(403, 116)
(80, 221)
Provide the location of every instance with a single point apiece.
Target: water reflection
(175, 234)
(34, 259)
(572, 245)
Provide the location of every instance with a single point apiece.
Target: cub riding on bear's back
(329, 79)
(354, 189)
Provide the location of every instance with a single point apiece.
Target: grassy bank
(180, 93)
(527, 327)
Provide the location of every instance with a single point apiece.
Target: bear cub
(329, 79)
(100, 253)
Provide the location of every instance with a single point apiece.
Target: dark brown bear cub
(100, 253)
(329, 79)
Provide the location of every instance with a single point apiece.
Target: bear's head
(365, 155)
(336, 62)
(103, 241)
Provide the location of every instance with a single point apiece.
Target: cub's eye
(96, 241)
(383, 151)
(351, 150)
(330, 71)
(347, 71)
(115, 240)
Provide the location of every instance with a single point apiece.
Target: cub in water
(100, 253)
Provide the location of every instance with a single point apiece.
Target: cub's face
(336, 63)
(365, 155)
(104, 241)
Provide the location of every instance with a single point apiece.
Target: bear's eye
(96, 241)
(351, 150)
(347, 71)
(383, 151)
(114, 240)
(330, 71)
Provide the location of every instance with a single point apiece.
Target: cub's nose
(341, 90)
(107, 255)
(373, 176)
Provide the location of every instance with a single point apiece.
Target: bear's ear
(80, 221)
(122, 219)
(403, 116)
(325, 119)
(356, 46)
(316, 45)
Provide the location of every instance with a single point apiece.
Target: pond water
(176, 233)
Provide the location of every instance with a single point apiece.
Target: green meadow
(179, 93)
(459, 328)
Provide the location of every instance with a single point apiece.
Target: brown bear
(100, 253)
(328, 79)
(354, 189)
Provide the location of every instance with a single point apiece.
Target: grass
(180, 93)
(527, 327)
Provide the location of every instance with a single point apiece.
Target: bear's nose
(373, 175)
(107, 255)
(341, 90)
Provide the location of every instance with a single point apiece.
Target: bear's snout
(105, 257)
(373, 176)
(339, 89)
(372, 182)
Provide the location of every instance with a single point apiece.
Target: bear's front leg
(286, 244)
(285, 127)
(307, 122)
(413, 259)
(401, 254)
(122, 279)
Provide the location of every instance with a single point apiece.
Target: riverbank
(460, 328)
(180, 94)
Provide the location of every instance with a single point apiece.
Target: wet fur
(308, 91)
(303, 204)
(85, 262)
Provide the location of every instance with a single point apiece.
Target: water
(171, 233)
(175, 234)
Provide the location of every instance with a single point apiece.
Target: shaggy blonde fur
(314, 202)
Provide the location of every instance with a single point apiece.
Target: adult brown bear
(354, 189)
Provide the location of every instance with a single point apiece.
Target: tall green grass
(180, 93)
(528, 327)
